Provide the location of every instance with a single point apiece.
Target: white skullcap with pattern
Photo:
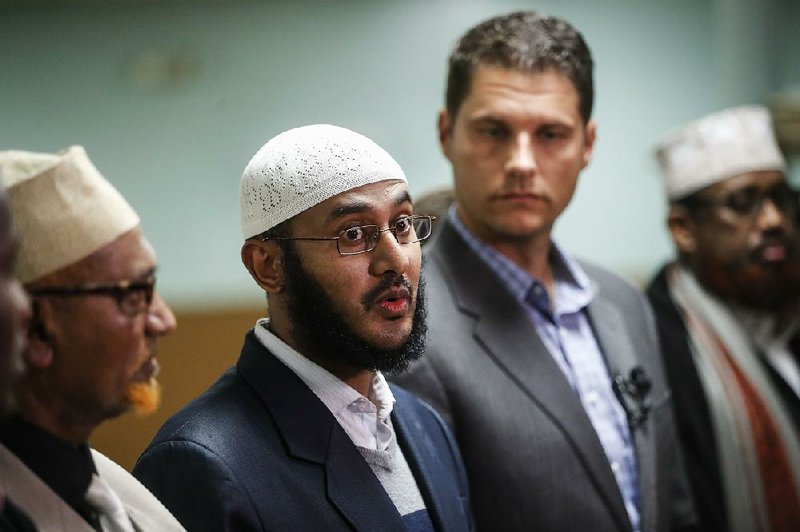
(716, 147)
(303, 167)
(63, 208)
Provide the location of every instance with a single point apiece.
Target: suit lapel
(313, 434)
(615, 344)
(424, 461)
(504, 330)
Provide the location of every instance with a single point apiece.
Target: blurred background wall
(172, 98)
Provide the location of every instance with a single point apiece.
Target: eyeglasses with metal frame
(748, 201)
(133, 297)
(364, 238)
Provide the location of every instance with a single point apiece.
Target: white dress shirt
(364, 419)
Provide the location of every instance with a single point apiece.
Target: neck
(532, 255)
(358, 379)
(54, 419)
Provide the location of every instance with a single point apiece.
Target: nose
(391, 256)
(160, 319)
(521, 160)
(770, 216)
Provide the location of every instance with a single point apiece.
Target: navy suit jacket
(260, 451)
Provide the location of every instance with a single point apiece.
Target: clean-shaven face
(516, 145)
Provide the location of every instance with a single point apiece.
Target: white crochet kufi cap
(63, 209)
(303, 167)
(716, 147)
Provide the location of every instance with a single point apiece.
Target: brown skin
(739, 258)
(517, 146)
(81, 371)
(15, 312)
(346, 278)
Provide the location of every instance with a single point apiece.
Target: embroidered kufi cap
(63, 208)
(716, 147)
(303, 167)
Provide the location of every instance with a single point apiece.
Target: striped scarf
(759, 447)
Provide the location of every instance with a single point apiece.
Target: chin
(144, 397)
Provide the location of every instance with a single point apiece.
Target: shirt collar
(573, 288)
(332, 391)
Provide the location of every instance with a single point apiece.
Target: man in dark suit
(728, 318)
(546, 368)
(305, 433)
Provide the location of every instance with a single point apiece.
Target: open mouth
(774, 251)
(394, 302)
(148, 370)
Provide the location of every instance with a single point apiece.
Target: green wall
(253, 69)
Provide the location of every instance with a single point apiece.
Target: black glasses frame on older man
(133, 297)
(364, 238)
(747, 202)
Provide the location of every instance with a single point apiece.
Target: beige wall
(203, 346)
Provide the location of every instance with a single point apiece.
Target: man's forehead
(759, 178)
(374, 196)
(130, 256)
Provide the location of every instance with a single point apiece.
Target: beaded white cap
(718, 146)
(63, 209)
(304, 166)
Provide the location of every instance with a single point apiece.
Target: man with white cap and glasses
(91, 345)
(727, 312)
(304, 433)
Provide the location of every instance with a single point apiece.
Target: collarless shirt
(564, 328)
(66, 469)
(365, 419)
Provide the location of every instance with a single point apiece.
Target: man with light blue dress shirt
(546, 368)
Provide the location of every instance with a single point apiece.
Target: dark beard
(751, 283)
(328, 339)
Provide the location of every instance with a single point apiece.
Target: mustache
(371, 298)
(774, 239)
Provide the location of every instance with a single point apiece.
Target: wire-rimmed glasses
(363, 238)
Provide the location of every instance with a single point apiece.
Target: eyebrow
(145, 275)
(360, 206)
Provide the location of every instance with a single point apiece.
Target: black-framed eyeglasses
(747, 202)
(363, 238)
(133, 297)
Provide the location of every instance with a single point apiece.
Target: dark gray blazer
(533, 459)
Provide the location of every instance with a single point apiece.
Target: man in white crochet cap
(305, 433)
(727, 310)
(91, 345)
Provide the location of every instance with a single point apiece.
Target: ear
(264, 261)
(445, 126)
(682, 227)
(39, 351)
(590, 134)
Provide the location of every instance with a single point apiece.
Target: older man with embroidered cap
(727, 310)
(305, 433)
(91, 345)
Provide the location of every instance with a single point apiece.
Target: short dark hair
(527, 41)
